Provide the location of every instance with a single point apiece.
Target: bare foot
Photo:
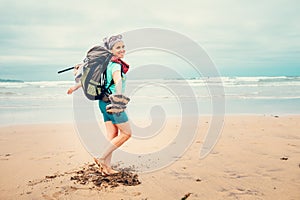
(112, 171)
(103, 168)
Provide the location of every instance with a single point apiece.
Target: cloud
(233, 32)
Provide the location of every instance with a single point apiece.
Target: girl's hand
(76, 67)
(70, 90)
(73, 88)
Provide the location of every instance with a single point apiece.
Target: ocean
(29, 102)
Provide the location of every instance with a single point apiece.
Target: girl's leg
(112, 132)
(116, 142)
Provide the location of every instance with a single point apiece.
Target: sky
(243, 38)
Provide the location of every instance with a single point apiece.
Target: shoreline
(171, 117)
(256, 157)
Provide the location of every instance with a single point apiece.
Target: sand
(256, 157)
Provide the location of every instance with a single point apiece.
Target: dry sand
(256, 157)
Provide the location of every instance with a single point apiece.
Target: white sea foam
(242, 94)
(35, 84)
(201, 81)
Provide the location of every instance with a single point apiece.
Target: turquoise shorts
(116, 118)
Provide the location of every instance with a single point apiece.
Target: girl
(117, 125)
(116, 120)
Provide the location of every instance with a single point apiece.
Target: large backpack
(93, 79)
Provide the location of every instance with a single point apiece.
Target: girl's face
(118, 50)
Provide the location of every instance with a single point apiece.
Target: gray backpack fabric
(93, 79)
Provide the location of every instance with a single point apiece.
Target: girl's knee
(125, 129)
(126, 135)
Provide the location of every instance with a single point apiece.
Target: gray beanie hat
(110, 42)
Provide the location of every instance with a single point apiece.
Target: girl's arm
(75, 87)
(118, 81)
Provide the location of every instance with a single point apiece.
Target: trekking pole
(64, 70)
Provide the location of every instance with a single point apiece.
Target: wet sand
(256, 157)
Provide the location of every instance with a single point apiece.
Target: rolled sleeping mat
(119, 99)
(115, 108)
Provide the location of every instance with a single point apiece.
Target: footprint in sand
(5, 156)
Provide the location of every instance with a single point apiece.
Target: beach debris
(284, 158)
(51, 176)
(198, 180)
(186, 196)
(91, 174)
